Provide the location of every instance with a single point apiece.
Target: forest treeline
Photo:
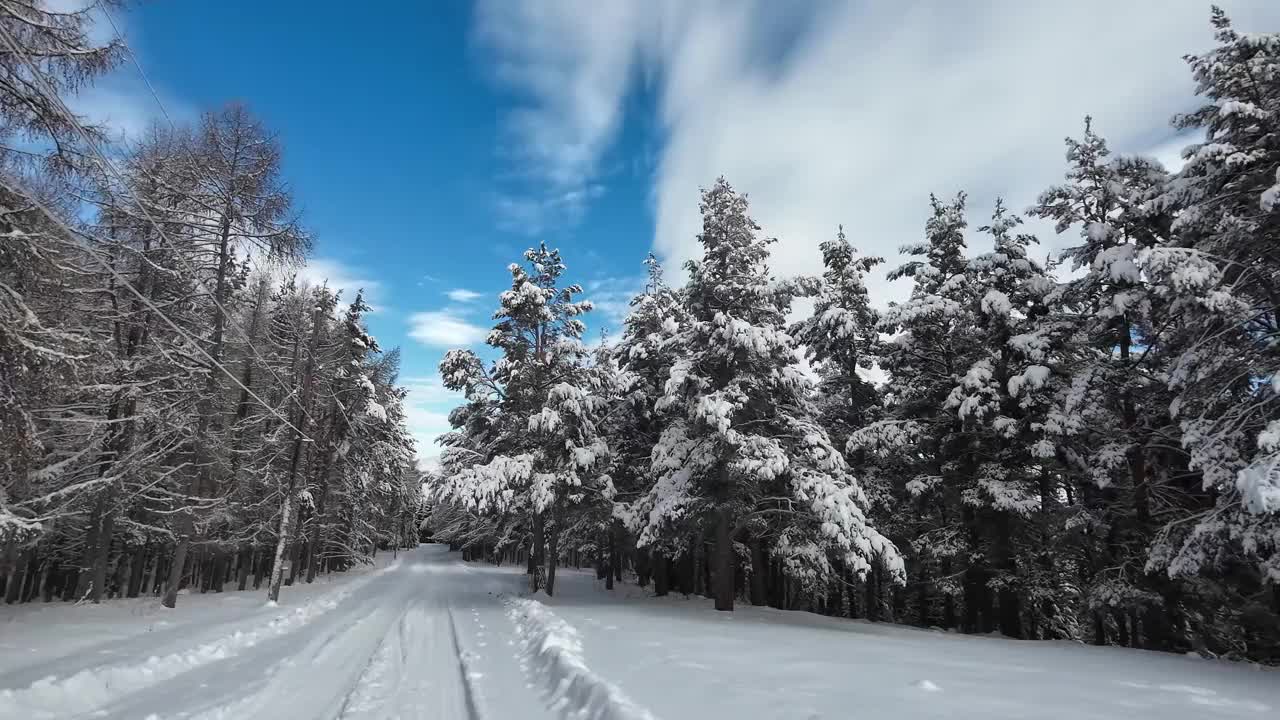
(1086, 448)
(177, 409)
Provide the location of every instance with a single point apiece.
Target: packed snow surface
(429, 636)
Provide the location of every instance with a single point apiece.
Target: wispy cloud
(852, 115)
(444, 329)
(341, 276)
(569, 71)
(533, 214)
(427, 407)
(611, 297)
(462, 295)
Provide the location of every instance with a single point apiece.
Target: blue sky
(429, 143)
(399, 154)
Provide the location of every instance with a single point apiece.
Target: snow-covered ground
(431, 637)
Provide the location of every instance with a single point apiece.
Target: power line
(56, 101)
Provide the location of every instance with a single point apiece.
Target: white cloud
(431, 389)
(427, 407)
(857, 112)
(573, 71)
(341, 276)
(462, 295)
(444, 329)
(611, 297)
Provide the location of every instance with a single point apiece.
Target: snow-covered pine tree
(521, 397)
(742, 450)
(933, 344)
(1220, 287)
(1002, 399)
(842, 337)
(1109, 419)
(644, 356)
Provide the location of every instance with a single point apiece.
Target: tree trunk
(13, 591)
(218, 576)
(608, 564)
(724, 562)
(615, 550)
(277, 567)
(315, 552)
(873, 594)
(1099, 628)
(247, 558)
(536, 552)
(176, 566)
(924, 606)
(553, 553)
(699, 575)
(157, 572)
(90, 553)
(759, 567)
(137, 568)
(1010, 602)
(295, 459)
(45, 587)
(644, 568)
(660, 573)
(1122, 629)
(295, 561)
(102, 556)
(260, 568)
(316, 543)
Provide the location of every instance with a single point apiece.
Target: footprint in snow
(1221, 702)
(1188, 689)
(925, 685)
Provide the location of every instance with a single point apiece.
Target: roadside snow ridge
(551, 655)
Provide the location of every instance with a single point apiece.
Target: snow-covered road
(429, 636)
(399, 642)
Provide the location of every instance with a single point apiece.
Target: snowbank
(551, 654)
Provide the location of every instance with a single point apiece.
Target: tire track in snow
(320, 674)
(95, 687)
(364, 699)
(465, 673)
(550, 651)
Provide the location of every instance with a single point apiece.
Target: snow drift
(551, 653)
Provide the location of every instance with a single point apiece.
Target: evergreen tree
(842, 337)
(534, 396)
(742, 450)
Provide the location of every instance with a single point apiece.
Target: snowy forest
(178, 411)
(1081, 445)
